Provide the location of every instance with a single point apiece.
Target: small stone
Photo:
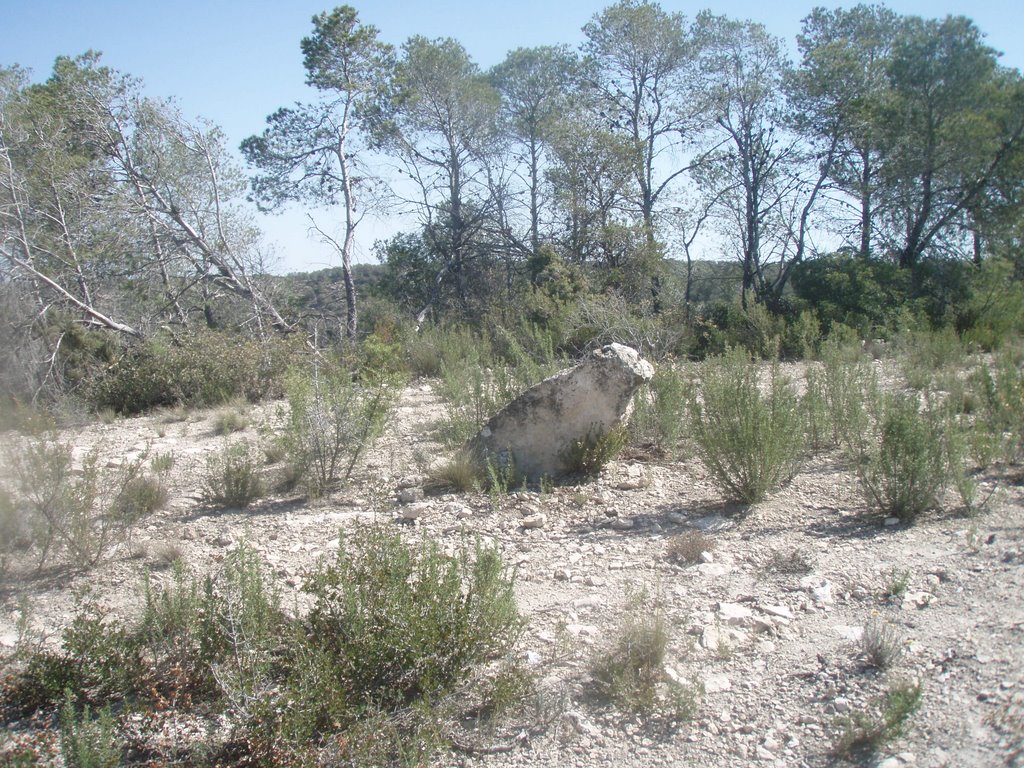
(414, 511)
(595, 581)
(711, 523)
(841, 705)
(410, 495)
(779, 611)
(891, 522)
(853, 634)
(764, 754)
(563, 574)
(621, 523)
(716, 682)
(713, 570)
(582, 630)
(707, 557)
(734, 615)
(410, 481)
(538, 520)
(918, 600)
(223, 540)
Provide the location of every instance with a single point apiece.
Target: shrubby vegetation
(541, 229)
(394, 631)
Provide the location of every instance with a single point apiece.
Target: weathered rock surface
(536, 430)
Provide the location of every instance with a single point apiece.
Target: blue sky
(234, 63)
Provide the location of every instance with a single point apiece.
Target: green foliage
(726, 324)
(206, 369)
(880, 645)
(848, 386)
(588, 455)
(883, 721)
(86, 742)
(487, 377)
(999, 421)
(402, 624)
(393, 632)
(233, 478)
(333, 419)
(751, 441)
(658, 421)
(924, 355)
(630, 672)
(230, 420)
(864, 294)
(99, 659)
(68, 507)
(905, 472)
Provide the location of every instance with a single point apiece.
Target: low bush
(588, 455)
(658, 422)
(333, 419)
(630, 672)
(880, 645)
(751, 441)
(687, 548)
(191, 371)
(85, 741)
(68, 509)
(397, 636)
(905, 471)
(233, 479)
(884, 720)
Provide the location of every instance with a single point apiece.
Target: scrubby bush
(233, 478)
(630, 671)
(398, 638)
(752, 441)
(72, 509)
(85, 741)
(658, 422)
(906, 471)
(333, 419)
(206, 369)
(589, 454)
(882, 721)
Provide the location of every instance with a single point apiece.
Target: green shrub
(906, 472)
(659, 417)
(751, 442)
(802, 337)
(999, 422)
(332, 421)
(403, 623)
(233, 479)
(202, 370)
(880, 645)
(884, 720)
(86, 742)
(588, 455)
(73, 510)
(630, 672)
(98, 660)
(848, 386)
(924, 355)
(483, 381)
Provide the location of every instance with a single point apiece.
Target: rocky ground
(768, 620)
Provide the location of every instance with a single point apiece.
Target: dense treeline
(875, 182)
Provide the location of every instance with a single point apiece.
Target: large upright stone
(535, 431)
